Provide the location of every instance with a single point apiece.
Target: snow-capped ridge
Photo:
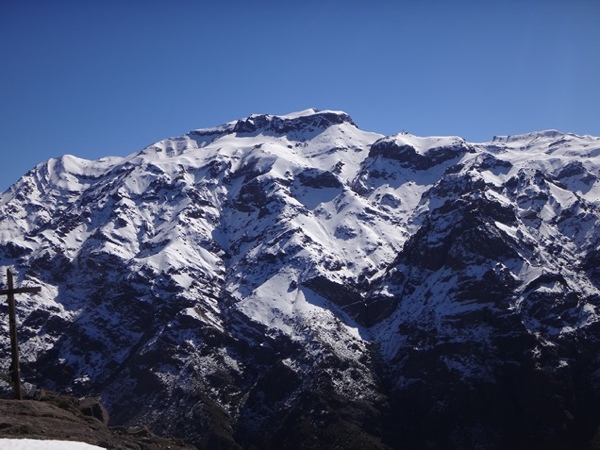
(419, 153)
(267, 123)
(548, 142)
(212, 132)
(529, 137)
(421, 144)
(175, 146)
(307, 121)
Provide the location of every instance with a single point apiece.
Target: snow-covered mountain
(296, 282)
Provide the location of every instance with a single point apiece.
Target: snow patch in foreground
(34, 444)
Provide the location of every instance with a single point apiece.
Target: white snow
(32, 444)
(423, 144)
(309, 112)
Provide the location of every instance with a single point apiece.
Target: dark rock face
(471, 363)
(282, 126)
(408, 157)
(319, 179)
(465, 234)
(347, 298)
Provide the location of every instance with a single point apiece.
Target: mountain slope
(296, 281)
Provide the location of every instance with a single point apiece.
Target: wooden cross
(12, 320)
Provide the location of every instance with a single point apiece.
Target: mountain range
(296, 282)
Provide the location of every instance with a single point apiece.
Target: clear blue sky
(99, 78)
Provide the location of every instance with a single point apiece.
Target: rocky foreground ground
(66, 418)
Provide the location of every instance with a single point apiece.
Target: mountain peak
(308, 120)
(528, 137)
(302, 121)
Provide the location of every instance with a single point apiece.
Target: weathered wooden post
(15, 371)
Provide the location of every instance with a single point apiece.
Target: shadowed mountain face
(296, 282)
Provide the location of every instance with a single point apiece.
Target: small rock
(92, 407)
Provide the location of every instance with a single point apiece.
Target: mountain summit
(296, 282)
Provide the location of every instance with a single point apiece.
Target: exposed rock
(319, 179)
(409, 158)
(92, 407)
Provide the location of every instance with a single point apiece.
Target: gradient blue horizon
(107, 78)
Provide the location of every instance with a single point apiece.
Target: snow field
(31, 444)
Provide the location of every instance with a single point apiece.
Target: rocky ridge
(296, 282)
